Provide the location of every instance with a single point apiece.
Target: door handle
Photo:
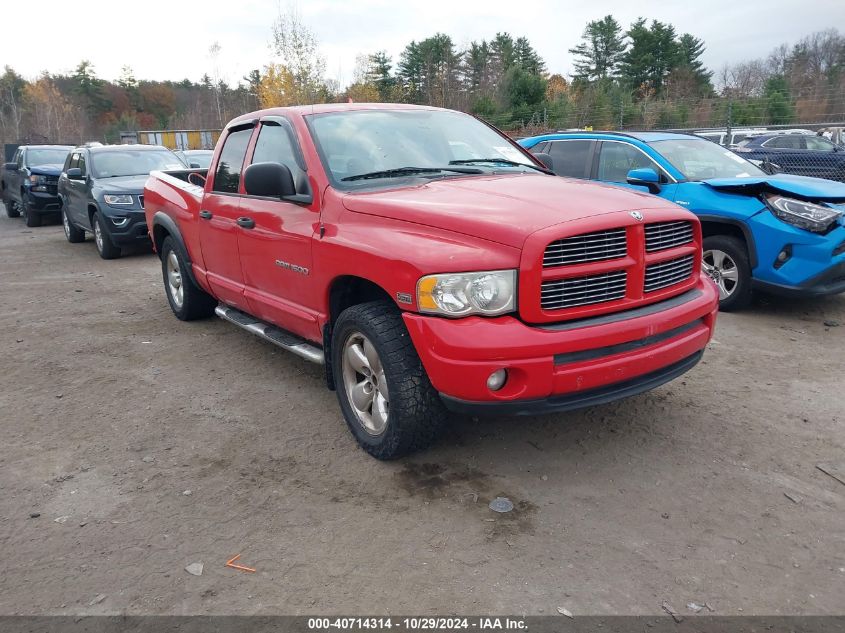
(246, 223)
(205, 215)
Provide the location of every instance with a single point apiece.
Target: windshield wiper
(409, 171)
(501, 161)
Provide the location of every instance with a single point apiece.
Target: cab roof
(323, 108)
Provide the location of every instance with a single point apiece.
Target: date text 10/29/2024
(479, 623)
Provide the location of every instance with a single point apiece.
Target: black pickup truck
(29, 181)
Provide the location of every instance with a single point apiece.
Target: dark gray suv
(102, 192)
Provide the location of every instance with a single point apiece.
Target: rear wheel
(105, 247)
(187, 300)
(72, 233)
(31, 217)
(726, 262)
(386, 397)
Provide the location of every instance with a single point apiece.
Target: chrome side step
(271, 333)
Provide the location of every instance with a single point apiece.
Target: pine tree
(600, 51)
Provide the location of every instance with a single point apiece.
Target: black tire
(73, 233)
(30, 217)
(740, 295)
(105, 247)
(416, 414)
(196, 303)
(11, 209)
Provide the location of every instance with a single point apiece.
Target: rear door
(572, 157)
(828, 159)
(276, 250)
(218, 219)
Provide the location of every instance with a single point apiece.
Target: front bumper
(43, 202)
(133, 232)
(815, 268)
(564, 365)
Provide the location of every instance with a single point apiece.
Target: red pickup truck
(432, 265)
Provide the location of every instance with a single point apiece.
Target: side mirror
(644, 177)
(195, 165)
(271, 180)
(74, 173)
(11, 166)
(547, 160)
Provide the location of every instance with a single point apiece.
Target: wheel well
(709, 228)
(159, 234)
(91, 211)
(348, 291)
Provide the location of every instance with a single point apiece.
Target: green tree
(652, 52)
(379, 75)
(778, 101)
(600, 51)
(527, 58)
(690, 50)
(90, 88)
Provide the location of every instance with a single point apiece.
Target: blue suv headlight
(118, 199)
(805, 215)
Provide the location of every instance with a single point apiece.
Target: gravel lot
(146, 444)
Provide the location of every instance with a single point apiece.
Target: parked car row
(431, 264)
(779, 233)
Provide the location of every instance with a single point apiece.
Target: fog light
(497, 379)
(783, 256)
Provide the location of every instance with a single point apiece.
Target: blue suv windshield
(700, 159)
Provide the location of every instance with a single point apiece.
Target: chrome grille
(581, 291)
(588, 247)
(668, 273)
(663, 235)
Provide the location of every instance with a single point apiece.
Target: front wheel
(30, 217)
(385, 395)
(186, 299)
(726, 262)
(105, 247)
(73, 233)
(11, 209)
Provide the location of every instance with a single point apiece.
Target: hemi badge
(404, 297)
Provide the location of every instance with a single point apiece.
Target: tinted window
(617, 159)
(227, 178)
(818, 144)
(82, 166)
(570, 158)
(784, 142)
(74, 160)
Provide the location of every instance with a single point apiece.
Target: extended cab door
(218, 219)
(276, 250)
(572, 157)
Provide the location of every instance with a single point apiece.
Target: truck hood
(123, 184)
(46, 170)
(504, 209)
(799, 186)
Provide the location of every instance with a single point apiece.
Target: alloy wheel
(723, 270)
(174, 280)
(98, 235)
(365, 383)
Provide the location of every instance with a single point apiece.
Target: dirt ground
(146, 444)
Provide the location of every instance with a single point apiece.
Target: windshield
(44, 156)
(115, 163)
(699, 159)
(367, 141)
(203, 159)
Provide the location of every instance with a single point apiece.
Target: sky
(170, 39)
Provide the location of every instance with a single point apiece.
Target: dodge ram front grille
(662, 235)
(588, 247)
(667, 273)
(581, 291)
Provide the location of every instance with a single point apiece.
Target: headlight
(121, 198)
(460, 294)
(38, 180)
(805, 215)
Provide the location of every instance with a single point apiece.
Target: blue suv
(780, 233)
